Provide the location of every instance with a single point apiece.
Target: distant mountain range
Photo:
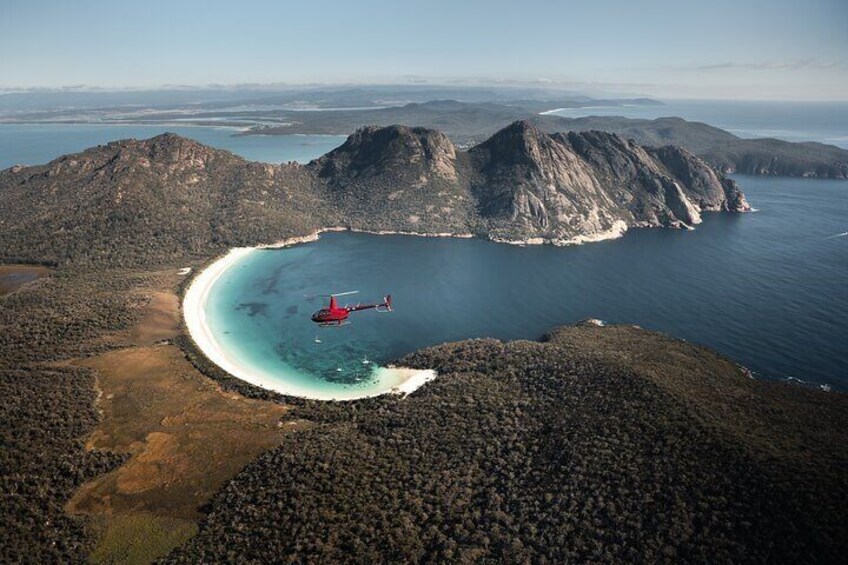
(47, 104)
(468, 115)
(470, 123)
(136, 202)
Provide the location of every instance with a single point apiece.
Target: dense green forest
(547, 452)
(605, 444)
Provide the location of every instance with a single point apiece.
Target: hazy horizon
(570, 90)
(755, 50)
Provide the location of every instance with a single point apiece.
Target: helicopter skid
(334, 324)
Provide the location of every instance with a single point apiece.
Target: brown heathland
(184, 437)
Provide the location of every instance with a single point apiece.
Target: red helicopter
(335, 315)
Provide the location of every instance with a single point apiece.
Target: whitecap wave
(843, 234)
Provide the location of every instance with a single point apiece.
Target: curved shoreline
(397, 380)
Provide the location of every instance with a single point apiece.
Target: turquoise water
(259, 311)
(34, 144)
(768, 289)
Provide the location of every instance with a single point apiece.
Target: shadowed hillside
(135, 202)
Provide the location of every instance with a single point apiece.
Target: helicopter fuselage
(335, 315)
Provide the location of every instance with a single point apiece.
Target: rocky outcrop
(528, 185)
(708, 189)
(373, 151)
(135, 202)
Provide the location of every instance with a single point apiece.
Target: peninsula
(170, 197)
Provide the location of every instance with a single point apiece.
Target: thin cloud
(775, 65)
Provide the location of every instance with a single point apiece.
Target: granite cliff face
(531, 185)
(591, 184)
(133, 202)
(521, 184)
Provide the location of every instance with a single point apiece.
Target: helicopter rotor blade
(312, 296)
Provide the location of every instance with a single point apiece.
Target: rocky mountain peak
(375, 150)
(517, 135)
(520, 144)
(166, 155)
(172, 148)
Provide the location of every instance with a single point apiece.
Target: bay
(769, 289)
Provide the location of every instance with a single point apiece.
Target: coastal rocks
(705, 187)
(590, 322)
(680, 205)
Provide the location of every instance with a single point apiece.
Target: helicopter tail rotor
(386, 306)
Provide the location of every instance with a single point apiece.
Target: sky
(744, 49)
